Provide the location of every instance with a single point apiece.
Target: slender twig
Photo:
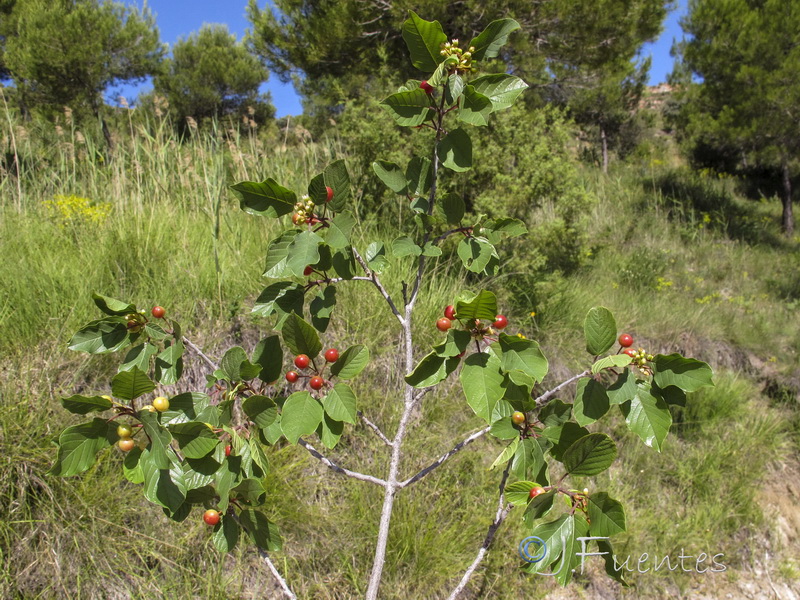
(200, 353)
(373, 277)
(447, 234)
(375, 428)
(438, 462)
(500, 516)
(334, 467)
(277, 575)
(542, 400)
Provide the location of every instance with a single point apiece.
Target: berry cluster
(304, 212)
(125, 442)
(302, 362)
(640, 357)
(478, 329)
(464, 59)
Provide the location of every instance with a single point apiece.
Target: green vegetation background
(684, 260)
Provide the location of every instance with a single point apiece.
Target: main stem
(392, 483)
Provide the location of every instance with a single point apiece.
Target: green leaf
(528, 459)
(612, 570)
(261, 530)
(496, 229)
(405, 246)
(225, 478)
(520, 354)
(504, 429)
(555, 413)
(139, 356)
(590, 455)
(606, 515)
(453, 89)
(236, 365)
(300, 337)
(278, 255)
(78, 445)
(506, 454)
(687, 374)
(156, 332)
(478, 254)
(615, 360)
(376, 257)
(195, 439)
(409, 109)
(344, 263)
(303, 251)
(670, 394)
(339, 230)
(591, 401)
(189, 406)
(340, 404)
(300, 416)
(538, 507)
(391, 175)
(268, 354)
(431, 370)
(563, 436)
(563, 548)
(317, 191)
(476, 108)
(251, 491)
(482, 305)
(424, 40)
(129, 385)
(600, 330)
(623, 389)
(482, 383)
(282, 297)
(452, 207)
(112, 306)
(329, 432)
(338, 179)
(455, 150)
(266, 199)
(648, 417)
(159, 438)
(430, 250)
(81, 405)
(321, 307)
(518, 493)
(169, 364)
(419, 176)
(226, 534)
(491, 39)
(101, 336)
(163, 486)
(501, 89)
(456, 343)
(131, 468)
(351, 362)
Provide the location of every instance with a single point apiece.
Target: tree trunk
(604, 142)
(788, 219)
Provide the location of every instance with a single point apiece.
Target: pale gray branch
(276, 574)
(461, 445)
(373, 277)
(334, 467)
(200, 353)
(376, 429)
(542, 400)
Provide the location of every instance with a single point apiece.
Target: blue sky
(179, 18)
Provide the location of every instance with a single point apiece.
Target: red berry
(450, 312)
(332, 355)
(211, 517)
(535, 492)
(227, 450)
(500, 322)
(158, 312)
(292, 376)
(329, 192)
(316, 382)
(630, 352)
(625, 340)
(443, 324)
(301, 361)
(296, 219)
(426, 87)
(125, 444)
(308, 271)
(518, 418)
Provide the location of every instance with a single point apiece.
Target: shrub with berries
(205, 452)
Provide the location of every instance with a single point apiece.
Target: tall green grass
(176, 237)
